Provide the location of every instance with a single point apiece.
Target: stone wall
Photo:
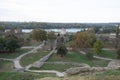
(115, 64)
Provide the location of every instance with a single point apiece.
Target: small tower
(63, 31)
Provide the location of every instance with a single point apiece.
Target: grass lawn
(68, 44)
(6, 66)
(80, 58)
(14, 55)
(107, 75)
(31, 58)
(108, 54)
(23, 76)
(58, 67)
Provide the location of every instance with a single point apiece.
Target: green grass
(6, 66)
(14, 55)
(107, 75)
(23, 76)
(58, 67)
(31, 58)
(80, 58)
(108, 54)
(110, 72)
(68, 44)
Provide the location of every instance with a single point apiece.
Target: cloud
(60, 10)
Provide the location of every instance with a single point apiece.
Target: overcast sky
(60, 10)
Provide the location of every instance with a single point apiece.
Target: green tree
(98, 45)
(84, 40)
(61, 50)
(39, 34)
(12, 43)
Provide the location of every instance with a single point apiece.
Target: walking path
(6, 59)
(16, 60)
(41, 61)
(59, 74)
(28, 47)
(98, 57)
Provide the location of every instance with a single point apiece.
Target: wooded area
(45, 25)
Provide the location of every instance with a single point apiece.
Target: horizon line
(59, 22)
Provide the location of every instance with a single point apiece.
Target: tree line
(45, 25)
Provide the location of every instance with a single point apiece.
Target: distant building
(63, 31)
(18, 30)
(112, 35)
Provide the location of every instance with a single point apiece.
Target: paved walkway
(6, 59)
(17, 60)
(28, 47)
(59, 74)
(98, 57)
(41, 61)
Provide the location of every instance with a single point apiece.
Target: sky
(95, 11)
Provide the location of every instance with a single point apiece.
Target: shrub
(89, 56)
(98, 45)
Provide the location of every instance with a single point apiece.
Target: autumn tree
(84, 40)
(51, 38)
(39, 34)
(98, 45)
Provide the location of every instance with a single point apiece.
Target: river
(72, 30)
